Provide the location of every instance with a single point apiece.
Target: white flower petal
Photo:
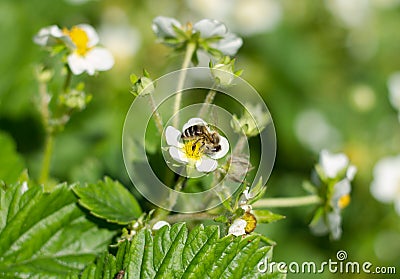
(100, 59)
(335, 224)
(237, 227)
(192, 122)
(45, 35)
(91, 33)
(206, 164)
(351, 172)
(332, 164)
(394, 90)
(224, 149)
(178, 155)
(162, 27)
(229, 45)
(158, 225)
(386, 183)
(246, 207)
(78, 64)
(172, 136)
(209, 28)
(340, 189)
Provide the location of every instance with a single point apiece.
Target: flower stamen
(80, 38)
(344, 201)
(193, 149)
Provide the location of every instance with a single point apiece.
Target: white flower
(222, 40)
(163, 27)
(48, 36)
(333, 164)
(385, 186)
(315, 132)
(213, 34)
(238, 227)
(193, 152)
(394, 91)
(352, 13)
(82, 40)
(158, 225)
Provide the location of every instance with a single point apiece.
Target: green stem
(67, 80)
(190, 49)
(208, 100)
(48, 150)
(288, 202)
(157, 116)
(239, 146)
(174, 195)
(44, 174)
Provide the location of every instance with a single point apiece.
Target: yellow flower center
(344, 201)
(193, 150)
(79, 37)
(251, 222)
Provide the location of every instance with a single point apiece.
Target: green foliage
(266, 216)
(11, 164)
(175, 253)
(109, 200)
(45, 234)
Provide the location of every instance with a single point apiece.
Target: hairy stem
(288, 202)
(157, 116)
(208, 100)
(48, 150)
(190, 48)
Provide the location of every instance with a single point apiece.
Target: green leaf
(109, 200)
(45, 235)
(266, 216)
(11, 164)
(176, 253)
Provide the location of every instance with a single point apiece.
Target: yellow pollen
(193, 150)
(344, 201)
(79, 37)
(251, 222)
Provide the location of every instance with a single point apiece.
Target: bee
(202, 134)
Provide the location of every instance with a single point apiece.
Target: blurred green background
(321, 67)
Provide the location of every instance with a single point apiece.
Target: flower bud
(247, 124)
(75, 98)
(224, 71)
(143, 85)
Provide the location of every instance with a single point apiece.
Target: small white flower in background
(256, 16)
(352, 13)
(158, 225)
(394, 91)
(248, 17)
(192, 152)
(333, 164)
(214, 35)
(314, 131)
(385, 186)
(238, 227)
(81, 40)
(335, 174)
